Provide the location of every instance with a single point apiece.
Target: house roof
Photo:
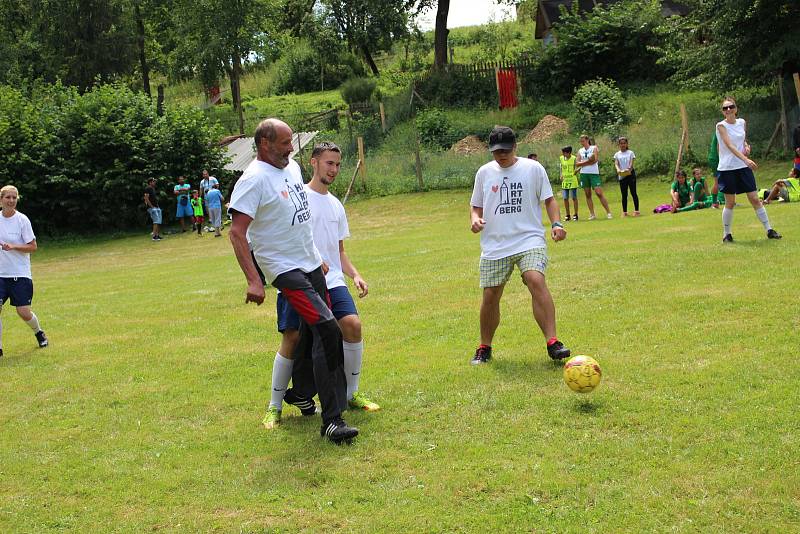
(242, 151)
(548, 12)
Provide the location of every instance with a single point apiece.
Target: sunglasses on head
(728, 108)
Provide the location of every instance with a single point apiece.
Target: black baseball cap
(502, 138)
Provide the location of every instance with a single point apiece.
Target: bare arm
(26, 248)
(350, 270)
(148, 201)
(723, 134)
(238, 237)
(476, 219)
(554, 213)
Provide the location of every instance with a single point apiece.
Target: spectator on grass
(787, 189)
(534, 156)
(626, 174)
(699, 198)
(214, 200)
(569, 182)
(588, 157)
(736, 170)
(681, 191)
(206, 185)
(151, 201)
(184, 209)
(17, 242)
(197, 210)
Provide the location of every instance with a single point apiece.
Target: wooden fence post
(784, 126)
(418, 163)
(363, 160)
(685, 126)
(796, 77)
(383, 117)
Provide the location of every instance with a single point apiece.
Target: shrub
(457, 88)
(357, 90)
(599, 107)
(299, 70)
(434, 128)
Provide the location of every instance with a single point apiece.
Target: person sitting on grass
(699, 198)
(681, 191)
(787, 189)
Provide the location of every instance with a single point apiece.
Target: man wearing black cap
(506, 209)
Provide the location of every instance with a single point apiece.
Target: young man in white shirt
(506, 209)
(330, 229)
(270, 208)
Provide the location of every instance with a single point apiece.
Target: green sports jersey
(683, 191)
(793, 187)
(568, 178)
(197, 207)
(699, 193)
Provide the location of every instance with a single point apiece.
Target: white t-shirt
(586, 153)
(624, 160)
(329, 223)
(15, 230)
(736, 132)
(208, 184)
(280, 233)
(510, 200)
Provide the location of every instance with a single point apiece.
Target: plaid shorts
(497, 272)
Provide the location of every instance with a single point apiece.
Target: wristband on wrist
(557, 224)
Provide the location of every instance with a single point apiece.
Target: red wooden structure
(507, 88)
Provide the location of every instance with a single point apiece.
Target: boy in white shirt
(506, 209)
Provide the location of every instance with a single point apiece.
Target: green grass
(144, 413)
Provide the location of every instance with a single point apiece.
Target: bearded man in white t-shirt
(330, 229)
(506, 211)
(270, 211)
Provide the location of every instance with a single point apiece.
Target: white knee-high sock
(727, 220)
(1, 335)
(281, 374)
(353, 356)
(761, 213)
(33, 323)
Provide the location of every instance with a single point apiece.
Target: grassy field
(144, 413)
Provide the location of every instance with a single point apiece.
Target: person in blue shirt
(214, 200)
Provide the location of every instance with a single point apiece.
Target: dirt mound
(471, 144)
(549, 126)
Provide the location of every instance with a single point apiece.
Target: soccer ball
(582, 373)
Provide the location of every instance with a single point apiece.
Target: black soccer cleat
(306, 405)
(557, 351)
(727, 239)
(41, 338)
(772, 234)
(338, 432)
(482, 355)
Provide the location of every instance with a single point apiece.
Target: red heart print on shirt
(285, 194)
(494, 189)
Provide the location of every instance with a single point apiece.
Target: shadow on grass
(528, 369)
(587, 406)
(19, 358)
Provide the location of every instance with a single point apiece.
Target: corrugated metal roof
(243, 150)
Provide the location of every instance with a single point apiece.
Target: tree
(440, 34)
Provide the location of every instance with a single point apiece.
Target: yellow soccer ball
(582, 373)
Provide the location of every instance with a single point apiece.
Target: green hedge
(80, 161)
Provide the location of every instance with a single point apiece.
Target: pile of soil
(471, 144)
(549, 126)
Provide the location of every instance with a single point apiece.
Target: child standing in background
(197, 207)
(569, 182)
(623, 163)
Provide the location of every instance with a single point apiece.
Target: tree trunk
(140, 42)
(440, 34)
(370, 62)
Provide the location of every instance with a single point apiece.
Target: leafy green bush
(457, 88)
(599, 107)
(80, 161)
(434, 128)
(357, 90)
(301, 69)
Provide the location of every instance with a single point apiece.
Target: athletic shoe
(575, 217)
(361, 402)
(609, 216)
(636, 213)
(482, 355)
(158, 238)
(624, 213)
(592, 217)
(557, 351)
(727, 239)
(272, 419)
(772, 234)
(337, 432)
(41, 338)
(1, 353)
(307, 406)
(155, 239)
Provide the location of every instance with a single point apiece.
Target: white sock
(761, 213)
(281, 374)
(727, 220)
(1, 335)
(353, 355)
(33, 323)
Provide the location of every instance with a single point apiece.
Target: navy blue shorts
(342, 305)
(18, 290)
(737, 181)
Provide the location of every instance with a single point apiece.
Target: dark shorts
(18, 290)
(737, 181)
(342, 305)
